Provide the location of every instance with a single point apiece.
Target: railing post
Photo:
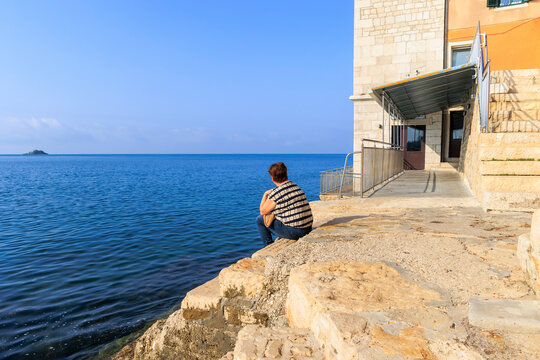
(374, 167)
(362, 157)
(383, 96)
(343, 175)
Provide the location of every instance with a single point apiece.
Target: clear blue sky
(185, 76)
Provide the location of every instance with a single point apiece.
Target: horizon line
(93, 154)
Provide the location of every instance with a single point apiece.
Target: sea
(94, 248)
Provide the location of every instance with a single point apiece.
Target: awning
(429, 93)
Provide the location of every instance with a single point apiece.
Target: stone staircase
(509, 153)
(347, 310)
(515, 101)
(509, 171)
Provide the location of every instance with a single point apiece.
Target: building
(401, 41)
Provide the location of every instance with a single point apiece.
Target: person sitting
(288, 203)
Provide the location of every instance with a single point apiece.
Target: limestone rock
(530, 264)
(529, 254)
(179, 338)
(273, 250)
(350, 307)
(202, 301)
(535, 230)
(256, 342)
(228, 356)
(240, 312)
(521, 316)
(345, 286)
(245, 278)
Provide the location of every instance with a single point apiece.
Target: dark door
(456, 133)
(415, 147)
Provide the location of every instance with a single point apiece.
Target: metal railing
(479, 56)
(334, 180)
(331, 179)
(378, 163)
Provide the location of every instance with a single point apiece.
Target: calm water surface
(93, 248)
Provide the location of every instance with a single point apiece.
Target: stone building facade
(395, 39)
(398, 39)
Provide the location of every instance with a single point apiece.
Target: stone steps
(516, 86)
(515, 101)
(514, 105)
(514, 115)
(510, 86)
(517, 151)
(516, 73)
(203, 301)
(256, 342)
(504, 146)
(522, 80)
(513, 183)
(510, 167)
(517, 316)
(269, 252)
(350, 308)
(524, 126)
(516, 97)
(211, 315)
(245, 279)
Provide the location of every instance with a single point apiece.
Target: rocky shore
(395, 276)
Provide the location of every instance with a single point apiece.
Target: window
(460, 56)
(397, 132)
(501, 3)
(457, 134)
(415, 138)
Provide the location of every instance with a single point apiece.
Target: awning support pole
(383, 97)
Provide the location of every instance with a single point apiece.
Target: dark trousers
(279, 230)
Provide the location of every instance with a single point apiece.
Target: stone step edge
(516, 316)
(273, 249)
(201, 302)
(245, 278)
(285, 343)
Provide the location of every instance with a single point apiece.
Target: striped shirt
(292, 207)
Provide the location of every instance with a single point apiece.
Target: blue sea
(96, 247)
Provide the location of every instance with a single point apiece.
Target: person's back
(288, 203)
(292, 207)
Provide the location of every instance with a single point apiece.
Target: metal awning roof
(429, 93)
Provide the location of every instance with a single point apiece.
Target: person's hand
(267, 192)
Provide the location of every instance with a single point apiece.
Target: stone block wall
(469, 161)
(433, 139)
(501, 169)
(394, 39)
(529, 254)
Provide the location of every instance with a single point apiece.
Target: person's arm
(267, 205)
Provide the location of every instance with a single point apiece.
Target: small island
(36, 152)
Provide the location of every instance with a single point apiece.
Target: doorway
(415, 147)
(456, 134)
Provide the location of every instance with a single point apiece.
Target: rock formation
(36, 152)
(428, 282)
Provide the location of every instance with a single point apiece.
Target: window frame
(458, 45)
(497, 3)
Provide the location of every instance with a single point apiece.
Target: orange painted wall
(463, 14)
(511, 46)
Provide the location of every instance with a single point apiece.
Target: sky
(184, 76)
